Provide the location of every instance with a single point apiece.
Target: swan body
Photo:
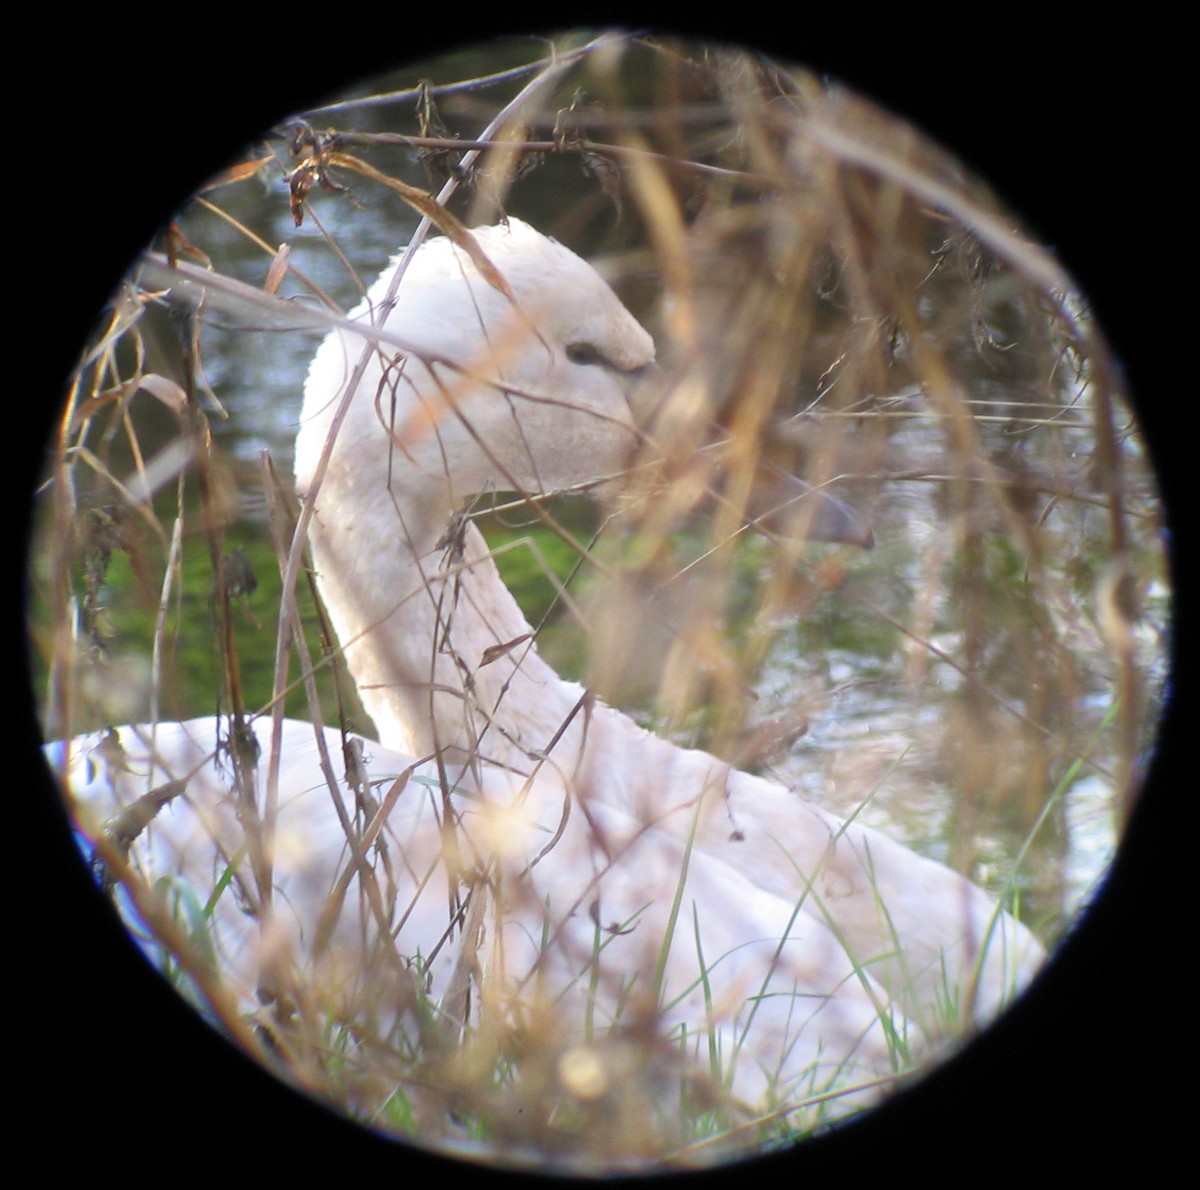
(585, 919)
(601, 858)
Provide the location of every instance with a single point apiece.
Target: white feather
(596, 854)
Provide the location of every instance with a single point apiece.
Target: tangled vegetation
(832, 298)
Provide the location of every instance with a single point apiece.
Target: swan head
(474, 388)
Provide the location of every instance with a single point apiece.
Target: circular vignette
(1068, 1021)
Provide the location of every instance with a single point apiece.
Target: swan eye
(585, 353)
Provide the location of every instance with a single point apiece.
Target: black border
(1074, 123)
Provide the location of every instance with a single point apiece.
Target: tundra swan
(509, 832)
(534, 395)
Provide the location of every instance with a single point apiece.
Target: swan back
(571, 932)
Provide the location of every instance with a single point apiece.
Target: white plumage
(593, 866)
(789, 1015)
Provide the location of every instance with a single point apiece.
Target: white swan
(597, 872)
(538, 399)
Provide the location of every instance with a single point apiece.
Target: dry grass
(831, 298)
